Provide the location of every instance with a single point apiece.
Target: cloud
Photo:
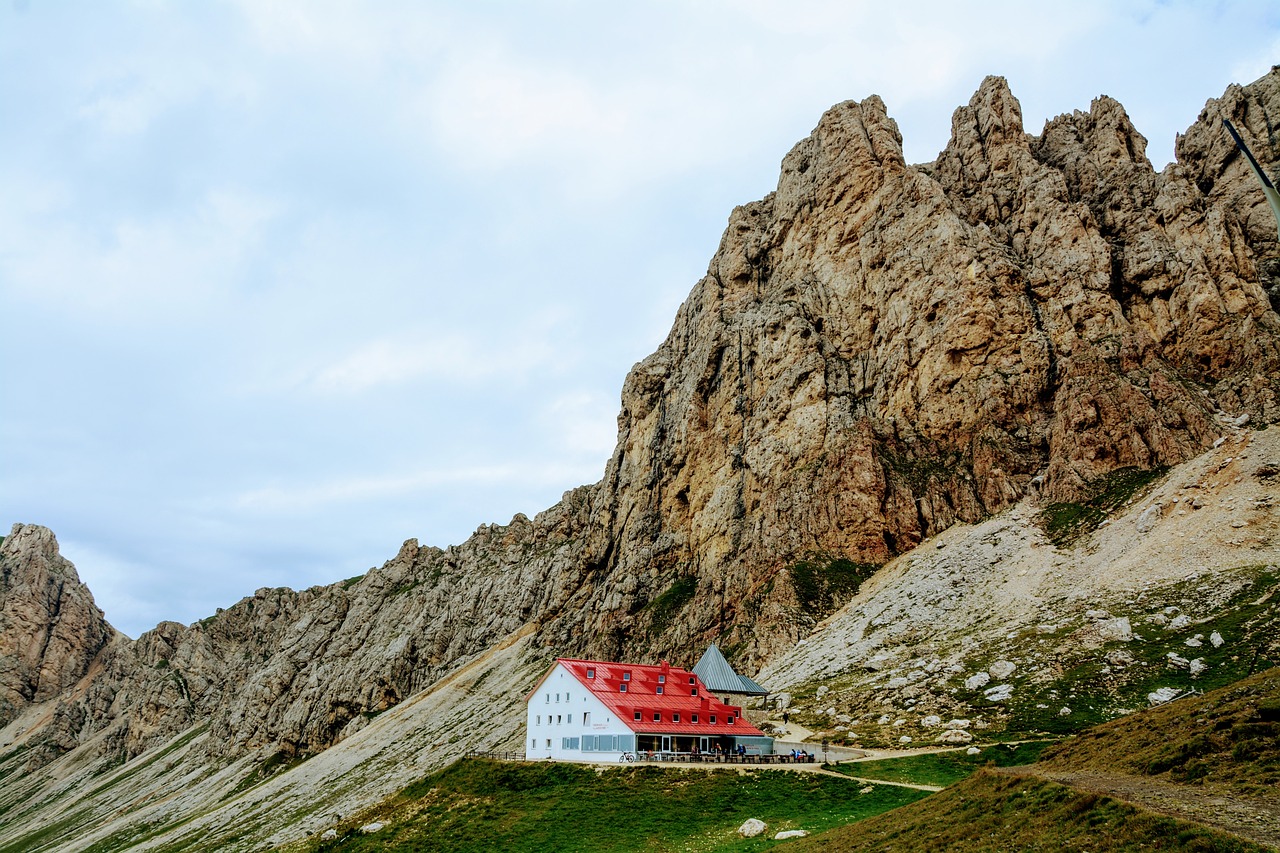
(584, 425)
(130, 271)
(441, 356)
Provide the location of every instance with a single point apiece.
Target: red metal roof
(605, 679)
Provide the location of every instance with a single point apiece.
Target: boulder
(955, 736)
(999, 693)
(752, 827)
(790, 833)
(1001, 669)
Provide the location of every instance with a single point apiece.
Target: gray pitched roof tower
(719, 677)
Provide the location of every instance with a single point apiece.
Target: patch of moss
(1067, 521)
(672, 600)
(277, 762)
(823, 582)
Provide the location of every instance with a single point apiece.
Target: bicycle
(626, 756)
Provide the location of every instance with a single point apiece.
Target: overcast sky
(285, 284)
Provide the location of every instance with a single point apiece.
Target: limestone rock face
(878, 351)
(50, 629)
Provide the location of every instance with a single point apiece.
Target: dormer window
(692, 681)
(695, 718)
(662, 679)
(728, 720)
(659, 689)
(626, 676)
(713, 719)
(638, 716)
(622, 688)
(591, 672)
(657, 716)
(693, 691)
(675, 718)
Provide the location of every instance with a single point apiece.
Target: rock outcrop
(878, 351)
(50, 629)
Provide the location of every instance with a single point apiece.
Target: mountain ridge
(879, 352)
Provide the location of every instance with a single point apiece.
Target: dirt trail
(1253, 818)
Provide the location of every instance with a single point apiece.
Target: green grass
(671, 601)
(823, 582)
(1067, 521)
(1248, 617)
(943, 768)
(996, 812)
(477, 805)
(276, 762)
(1226, 738)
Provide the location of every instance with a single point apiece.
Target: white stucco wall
(562, 708)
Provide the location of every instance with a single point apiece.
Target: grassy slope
(478, 805)
(996, 812)
(943, 768)
(1228, 738)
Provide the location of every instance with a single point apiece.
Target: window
(548, 743)
(557, 697)
(695, 718)
(675, 718)
(728, 721)
(537, 721)
(662, 679)
(569, 720)
(659, 689)
(591, 673)
(533, 743)
(558, 719)
(693, 691)
(626, 676)
(622, 688)
(713, 719)
(548, 698)
(657, 716)
(692, 681)
(637, 716)
(586, 718)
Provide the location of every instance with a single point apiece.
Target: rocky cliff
(50, 629)
(878, 352)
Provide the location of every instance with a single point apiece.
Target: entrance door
(666, 743)
(703, 744)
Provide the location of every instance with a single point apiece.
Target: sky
(284, 284)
